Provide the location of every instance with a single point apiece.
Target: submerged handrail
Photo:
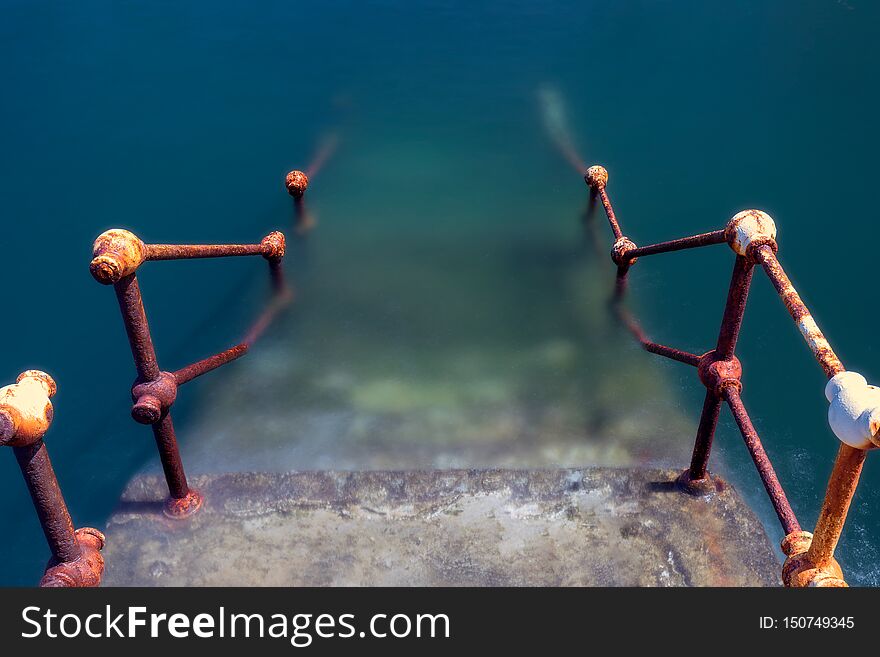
(854, 410)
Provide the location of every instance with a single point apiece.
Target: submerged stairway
(334, 453)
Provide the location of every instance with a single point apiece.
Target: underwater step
(566, 527)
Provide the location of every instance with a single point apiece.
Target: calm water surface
(178, 120)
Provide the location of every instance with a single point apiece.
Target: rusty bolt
(296, 182)
(596, 177)
(750, 229)
(799, 571)
(116, 253)
(716, 373)
(619, 250)
(152, 398)
(25, 409)
(273, 245)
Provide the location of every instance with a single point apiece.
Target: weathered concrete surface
(569, 527)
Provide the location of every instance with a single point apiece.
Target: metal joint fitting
(82, 572)
(799, 571)
(596, 177)
(152, 399)
(619, 250)
(179, 508)
(854, 410)
(25, 409)
(115, 254)
(749, 229)
(716, 373)
(296, 183)
(273, 246)
(708, 485)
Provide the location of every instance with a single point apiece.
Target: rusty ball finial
(596, 176)
(296, 182)
(116, 253)
(273, 245)
(44, 379)
(749, 229)
(25, 409)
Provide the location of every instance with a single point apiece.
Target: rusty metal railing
(25, 416)
(117, 255)
(26, 410)
(854, 411)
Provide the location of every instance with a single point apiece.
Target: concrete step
(497, 527)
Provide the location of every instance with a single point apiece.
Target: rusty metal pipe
(673, 354)
(705, 435)
(609, 212)
(169, 455)
(762, 462)
(136, 326)
(838, 496)
(816, 341)
(131, 304)
(703, 239)
(197, 369)
(192, 251)
(48, 501)
(735, 308)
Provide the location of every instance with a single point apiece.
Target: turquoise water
(179, 121)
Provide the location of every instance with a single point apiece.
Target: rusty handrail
(854, 411)
(25, 416)
(117, 255)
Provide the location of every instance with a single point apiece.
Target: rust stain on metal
(703, 239)
(854, 411)
(25, 416)
(815, 339)
(190, 372)
(841, 488)
(116, 253)
(774, 489)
